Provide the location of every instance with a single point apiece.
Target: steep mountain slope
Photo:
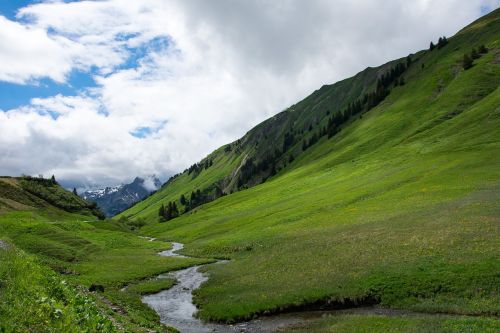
(275, 143)
(399, 208)
(113, 200)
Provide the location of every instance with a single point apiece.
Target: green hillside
(38, 239)
(31, 193)
(267, 148)
(383, 189)
(400, 207)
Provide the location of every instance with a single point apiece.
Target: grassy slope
(97, 252)
(262, 141)
(382, 324)
(26, 192)
(401, 206)
(35, 299)
(184, 184)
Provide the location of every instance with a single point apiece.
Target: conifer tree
(74, 190)
(431, 46)
(482, 49)
(53, 179)
(473, 54)
(182, 200)
(467, 62)
(175, 211)
(273, 170)
(168, 212)
(161, 211)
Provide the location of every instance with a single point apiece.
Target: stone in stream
(4, 245)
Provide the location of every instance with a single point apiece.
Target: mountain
(272, 145)
(26, 193)
(113, 200)
(379, 189)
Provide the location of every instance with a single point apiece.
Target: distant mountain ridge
(113, 200)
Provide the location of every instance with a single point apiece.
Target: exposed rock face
(113, 200)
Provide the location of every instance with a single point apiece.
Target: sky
(98, 92)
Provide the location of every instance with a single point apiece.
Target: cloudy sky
(97, 92)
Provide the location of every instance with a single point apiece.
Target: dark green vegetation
(399, 206)
(468, 59)
(169, 212)
(85, 252)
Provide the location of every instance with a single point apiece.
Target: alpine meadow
(372, 205)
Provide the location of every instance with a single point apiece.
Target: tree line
(441, 43)
(198, 167)
(197, 198)
(269, 163)
(168, 212)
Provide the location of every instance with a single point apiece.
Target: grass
(184, 184)
(87, 253)
(401, 206)
(28, 192)
(383, 324)
(151, 286)
(35, 299)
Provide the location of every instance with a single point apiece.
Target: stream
(175, 306)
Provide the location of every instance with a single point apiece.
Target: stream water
(175, 306)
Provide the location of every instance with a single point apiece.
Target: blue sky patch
(9, 8)
(15, 95)
(145, 131)
(157, 44)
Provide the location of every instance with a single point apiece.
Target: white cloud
(27, 53)
(207, 71)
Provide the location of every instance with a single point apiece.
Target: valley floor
(399, 210)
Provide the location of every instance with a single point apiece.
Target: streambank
(175, 306)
